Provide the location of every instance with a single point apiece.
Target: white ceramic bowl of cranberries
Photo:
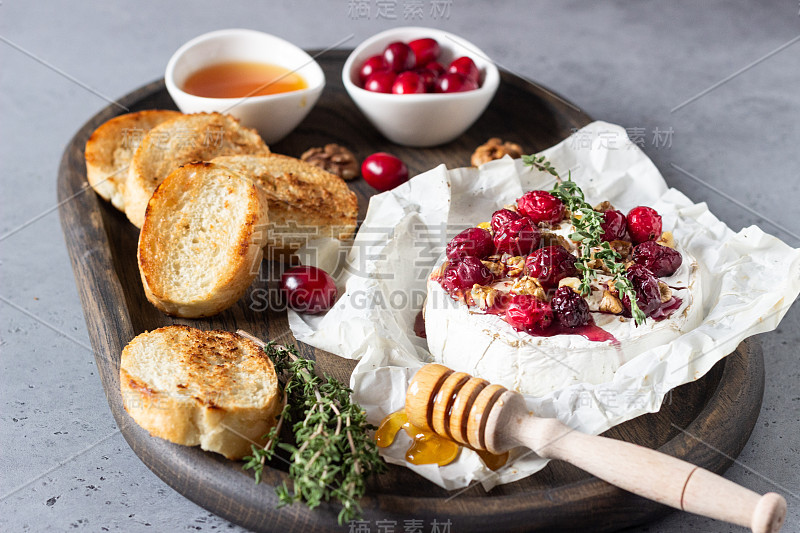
(422, 119)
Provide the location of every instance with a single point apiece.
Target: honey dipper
(472, 412)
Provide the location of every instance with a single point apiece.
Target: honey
(428, 447)
(237, 79)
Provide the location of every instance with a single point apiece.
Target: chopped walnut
(597, 264)
(552, 239)
(529, 285)
(482, 296)
(666, 292)
(334, 159)
(515, 264)
(602, 207)
(438, 272)
(572, 283)
(493, 149)
(623, 248)
(511, 207)
(610, 304)
(497, 269)
(667, 239)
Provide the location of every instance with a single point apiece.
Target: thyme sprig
(588, 234)
(333, 453)
(540, 162)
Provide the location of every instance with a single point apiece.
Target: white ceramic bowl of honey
(426, 119)
(264, 81)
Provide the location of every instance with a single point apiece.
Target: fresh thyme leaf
(539, 162)
(333, 452)
(589, 234)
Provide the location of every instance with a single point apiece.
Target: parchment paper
(749, 281)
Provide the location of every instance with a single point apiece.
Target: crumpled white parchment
(749, 281)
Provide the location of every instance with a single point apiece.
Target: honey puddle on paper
(428, 447)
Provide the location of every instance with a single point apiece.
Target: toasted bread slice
(202, 239)
(305, 202)
(190, 387)
(188, 138)
(110, 149)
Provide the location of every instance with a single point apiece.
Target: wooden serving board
(717, 412)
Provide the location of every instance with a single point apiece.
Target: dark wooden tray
(717, 411)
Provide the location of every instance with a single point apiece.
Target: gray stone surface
(63, 465)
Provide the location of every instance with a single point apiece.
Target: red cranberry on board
(380, 81)
(526, 313)
(462, 274)
(518, 237)
(371, 65)
(644, 224)
(425, 50)
(541, 206)
(454, 83)
(308, 289)
(613, 225)
(466, 67)
(502, 217)
(408, 82)
(550, 265)
(399, 56)
(660, 260)
(645, 284)
(569, 308)
(435, 67)
(384, 171)
(472, 241)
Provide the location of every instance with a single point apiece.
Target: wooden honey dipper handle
(495, 419)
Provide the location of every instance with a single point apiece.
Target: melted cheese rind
(467, 340)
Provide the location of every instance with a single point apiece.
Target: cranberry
(399, 56)
(308, 289)
(613, 225)
(644, 224)
(454, 83)
(570, 308)
(471, 241)
(550, 265)
(658, 259)
(370, 66)
(465, 272)
(384, 171)
(541, 206)
(526, 313)
(645, 284)
(428, 79)
(466, 67)
(518, 237)
(435, 67)
(408, 82)
(425, 50)
(502, 217)
(380, 81)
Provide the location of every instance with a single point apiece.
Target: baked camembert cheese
(540, 297)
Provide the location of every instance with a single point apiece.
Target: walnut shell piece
(493, 149)
(334, 159)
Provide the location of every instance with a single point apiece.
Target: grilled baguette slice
(198, 137)
(305, 202)
(190, 387)
(202, 239)
(110, 149)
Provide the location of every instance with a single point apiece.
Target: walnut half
(493, 149)
(334, 159)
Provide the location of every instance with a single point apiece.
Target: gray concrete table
(711, 88)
